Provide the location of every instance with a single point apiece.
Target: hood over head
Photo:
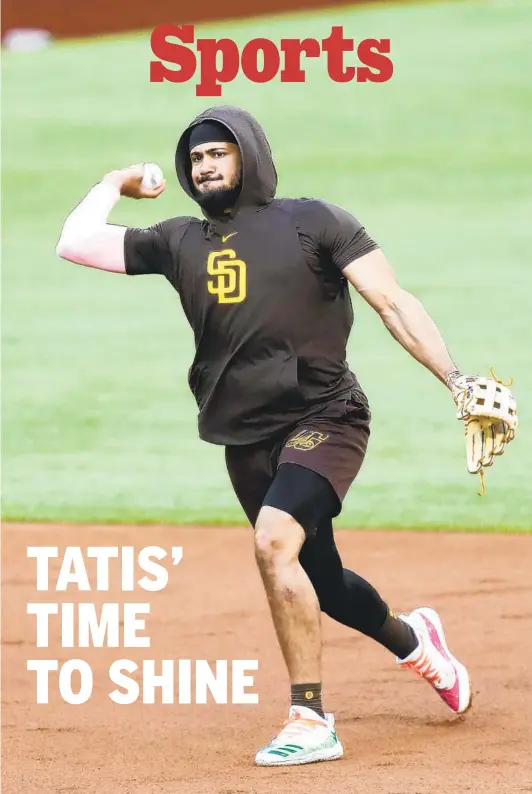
(259, 177)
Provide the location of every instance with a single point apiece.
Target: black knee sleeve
(302, 493)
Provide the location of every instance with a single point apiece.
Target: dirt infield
(398, 735)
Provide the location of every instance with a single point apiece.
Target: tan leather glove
(489, 412)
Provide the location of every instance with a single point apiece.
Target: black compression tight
(342, 594)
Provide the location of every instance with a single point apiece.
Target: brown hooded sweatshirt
(263, 291)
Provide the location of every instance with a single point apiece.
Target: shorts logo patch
(306, 439)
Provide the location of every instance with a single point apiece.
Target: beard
(217, 200)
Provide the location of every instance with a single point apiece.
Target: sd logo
(228, 273)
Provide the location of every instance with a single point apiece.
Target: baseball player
(264, 283)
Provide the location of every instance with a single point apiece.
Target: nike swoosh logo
(227, 236)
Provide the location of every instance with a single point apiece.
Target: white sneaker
(433, 661)
(304, 738)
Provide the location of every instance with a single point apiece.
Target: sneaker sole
(327, 754)
(464, 680)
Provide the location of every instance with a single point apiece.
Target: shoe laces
(295, 725)
(425, 667)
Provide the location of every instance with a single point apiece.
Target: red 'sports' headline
(219, 61)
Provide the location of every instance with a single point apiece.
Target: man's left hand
(489, 411)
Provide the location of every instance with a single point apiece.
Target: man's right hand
(128, 181)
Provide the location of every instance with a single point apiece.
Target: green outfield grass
(98, 423)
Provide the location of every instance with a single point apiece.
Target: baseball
(153, 176)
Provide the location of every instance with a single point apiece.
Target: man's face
(214, 167)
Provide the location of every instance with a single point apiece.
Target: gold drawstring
(498, 380)
(482, 483)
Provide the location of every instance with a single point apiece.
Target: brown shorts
(332, 444)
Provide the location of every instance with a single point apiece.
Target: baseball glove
(489, 412)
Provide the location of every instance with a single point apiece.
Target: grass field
(98, 423)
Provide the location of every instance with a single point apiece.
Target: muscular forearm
(413, 328)
(87, 238)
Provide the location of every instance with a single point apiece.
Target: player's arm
(347, 246)
(403, 314)
(486, 404)
(87, 238)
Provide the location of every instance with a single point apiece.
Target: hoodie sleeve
(332, 234)
(147, 251)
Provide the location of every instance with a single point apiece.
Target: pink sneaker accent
(433, 661)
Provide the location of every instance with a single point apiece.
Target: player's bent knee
(277, 535)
